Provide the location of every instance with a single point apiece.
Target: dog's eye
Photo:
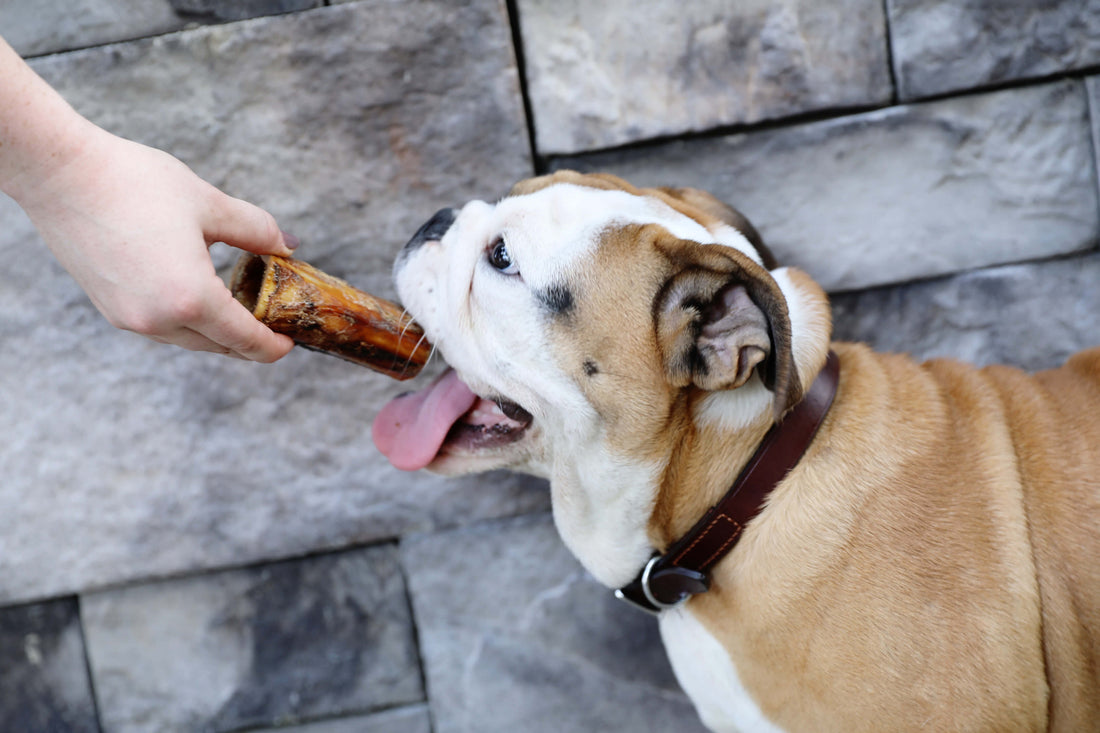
(500, 258)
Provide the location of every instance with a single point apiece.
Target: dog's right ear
(721, 317)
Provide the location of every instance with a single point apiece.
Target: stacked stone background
(188, 543)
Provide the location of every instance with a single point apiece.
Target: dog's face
(593, 322)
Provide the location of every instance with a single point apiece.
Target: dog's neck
(613, 512)
(602, 508)
(700, 471)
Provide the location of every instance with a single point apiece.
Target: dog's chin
(475, 453)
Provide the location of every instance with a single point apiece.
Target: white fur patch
(730, 237)
(550, 230)
(706, 672)
(602, 507)
(807, 324)
(733, 410)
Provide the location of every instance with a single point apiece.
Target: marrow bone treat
(324, 313)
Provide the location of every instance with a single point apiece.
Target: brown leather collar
(681, 572)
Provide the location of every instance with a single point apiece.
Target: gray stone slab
(411, 719)
(607, 73)
(37, 27)
(949, 45)
(1093, 85)
(43, 672)
(516, 636)
(1033, 316)
(902, 193)
(352, 124)
(323, 636)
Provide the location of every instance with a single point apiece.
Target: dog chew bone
(326, 314)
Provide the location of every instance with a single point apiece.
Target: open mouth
(446, 418)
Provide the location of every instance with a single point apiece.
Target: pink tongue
(411, 429)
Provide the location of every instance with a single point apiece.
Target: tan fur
(892, 575)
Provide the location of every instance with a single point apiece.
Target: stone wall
(188, 543)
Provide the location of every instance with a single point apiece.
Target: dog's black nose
(434, 230)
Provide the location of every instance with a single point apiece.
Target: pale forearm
(39, 132)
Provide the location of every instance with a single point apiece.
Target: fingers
(263, 346)
(225, 324)
(259, 348)
(228, 324)
(193, 341)
(245, 226)
(212, 320)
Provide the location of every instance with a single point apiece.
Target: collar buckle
(659, 589)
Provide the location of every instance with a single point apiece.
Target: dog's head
(590, 324)
(616, 340)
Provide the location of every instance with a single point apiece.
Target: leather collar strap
(682, 571)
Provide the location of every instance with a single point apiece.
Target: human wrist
(58, 163)
(41, 134)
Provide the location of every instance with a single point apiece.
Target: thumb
(245, 226)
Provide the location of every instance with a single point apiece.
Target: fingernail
(290, 241)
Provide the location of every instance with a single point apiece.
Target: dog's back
(1045, 429)
(1059, 464)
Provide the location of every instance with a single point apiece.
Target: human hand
(133, 226)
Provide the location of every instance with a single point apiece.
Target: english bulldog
(925, 557)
